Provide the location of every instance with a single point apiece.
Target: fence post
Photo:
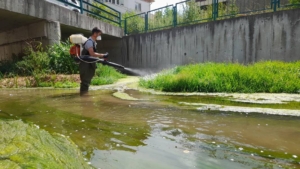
(146, 22)
(81, 7)
(275, 4)
(120, 19)
(215, 9)
(175, 16)
(125, 26)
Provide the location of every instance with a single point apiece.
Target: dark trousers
(87, 71)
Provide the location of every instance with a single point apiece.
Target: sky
(162, 3)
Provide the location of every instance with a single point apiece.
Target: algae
(124, 96)
(26, 146)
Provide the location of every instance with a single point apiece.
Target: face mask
(98, 38)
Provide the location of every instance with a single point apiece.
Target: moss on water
(98, 133)
(26, 146)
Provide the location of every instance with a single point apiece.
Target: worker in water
(87, 69)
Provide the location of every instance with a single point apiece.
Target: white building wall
(209, 2)
(128, 5)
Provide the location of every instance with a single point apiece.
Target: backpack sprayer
(75, 51)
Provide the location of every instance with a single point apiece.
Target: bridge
(23, 20)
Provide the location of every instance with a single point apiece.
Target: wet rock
(25, 146)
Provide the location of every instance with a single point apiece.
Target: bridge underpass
(27, 20)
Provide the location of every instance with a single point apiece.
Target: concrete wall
(13, 41)
(272, 36)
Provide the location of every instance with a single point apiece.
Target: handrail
(114, 14)
(216, 10)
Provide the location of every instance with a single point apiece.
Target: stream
(157, 131)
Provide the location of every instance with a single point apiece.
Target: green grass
(106, 75)
(269, 77)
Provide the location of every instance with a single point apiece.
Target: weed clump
(106, 75)
(268, 77)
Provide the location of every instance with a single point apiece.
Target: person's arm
(94, 54)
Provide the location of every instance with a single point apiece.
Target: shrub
(35, 61)
(60, 59)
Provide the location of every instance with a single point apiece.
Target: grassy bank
(269, 77)
(104, 75)
(50, 67)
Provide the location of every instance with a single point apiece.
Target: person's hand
(106, 55)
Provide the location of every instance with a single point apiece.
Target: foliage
(270, 77)
(104, 13)
(187, 13)
(7, 68)
(294, 1)
(56, 59)
(106, 75)
(134, 24)
(36, 60)
(162, 18)
(39, 63)
(60, 60)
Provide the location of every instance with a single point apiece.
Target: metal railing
(97, 10)
(191, 12)
(135, 24)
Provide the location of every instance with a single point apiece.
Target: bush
(270, 77)
(7, 68)
(35, 61)
(56, 59)
(60, 59)
(106, 75)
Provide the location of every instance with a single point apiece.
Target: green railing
(97, 10)
(191, 12)
(135, 24)
(161, 18)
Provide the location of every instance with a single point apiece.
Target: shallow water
(158, 132)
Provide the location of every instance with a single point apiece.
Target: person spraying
(84, 51)
(87, 69)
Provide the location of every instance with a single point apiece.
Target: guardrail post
(81, 6)
(275, 4)
(120, 19)
(146, 22)
(215, 9)
(175, 16)
(125, 26)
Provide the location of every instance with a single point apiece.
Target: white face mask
(98, 38)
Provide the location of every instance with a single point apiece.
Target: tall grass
(269, 77)
(106, 75)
